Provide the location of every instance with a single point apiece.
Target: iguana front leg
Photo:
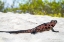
(54, 30)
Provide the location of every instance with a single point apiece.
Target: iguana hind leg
(34, 32)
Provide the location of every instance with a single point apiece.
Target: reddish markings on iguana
(41, 28)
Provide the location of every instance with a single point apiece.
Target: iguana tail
(19, 31)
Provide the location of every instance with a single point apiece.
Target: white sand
(14, 21)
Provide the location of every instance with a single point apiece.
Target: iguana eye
(55, 21)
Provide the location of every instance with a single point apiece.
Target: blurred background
(35, 7)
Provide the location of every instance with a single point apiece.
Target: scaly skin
(41, 28)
